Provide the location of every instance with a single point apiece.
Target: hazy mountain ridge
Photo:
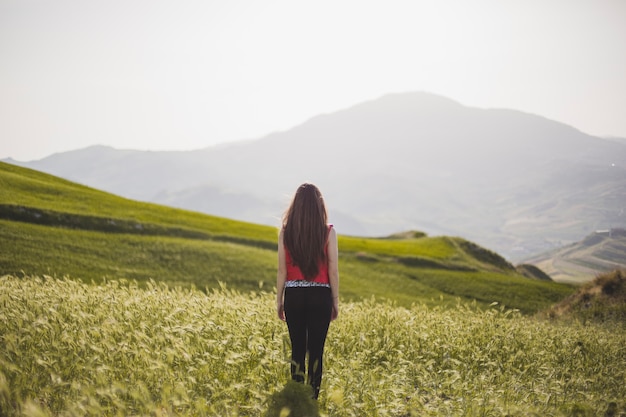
(514, 182)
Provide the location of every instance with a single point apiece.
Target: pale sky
(187, 74)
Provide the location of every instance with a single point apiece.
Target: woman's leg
(296, 317)
(320, 310)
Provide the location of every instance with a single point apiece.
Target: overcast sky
(157, 74)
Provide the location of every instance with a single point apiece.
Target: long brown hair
(305, 230)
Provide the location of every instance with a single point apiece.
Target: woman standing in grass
(307, 281)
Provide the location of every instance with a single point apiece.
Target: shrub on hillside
(532, 272)
(485, 255)
(613, 284)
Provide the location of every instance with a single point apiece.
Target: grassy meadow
(115, 307)
(75, 349)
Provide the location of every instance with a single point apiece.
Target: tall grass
(72, 349)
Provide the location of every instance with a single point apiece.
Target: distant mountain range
(516, 183)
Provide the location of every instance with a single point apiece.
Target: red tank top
(295, 274)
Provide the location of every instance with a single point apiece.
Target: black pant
(308, 312)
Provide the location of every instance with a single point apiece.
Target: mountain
(516, 183)
(600, 252)
(616, 139)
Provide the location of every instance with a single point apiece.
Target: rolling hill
(51, 226)
(516, 183)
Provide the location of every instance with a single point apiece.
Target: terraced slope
(598, 253)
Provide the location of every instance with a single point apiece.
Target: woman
(307, 281)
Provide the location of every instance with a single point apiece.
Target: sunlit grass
(96, 256)
(71, 348)
(437, 247)
(29, 188)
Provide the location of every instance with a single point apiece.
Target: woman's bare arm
(333, 270)
(281, 276)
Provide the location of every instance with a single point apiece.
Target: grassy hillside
(49, 226)
(580, 262)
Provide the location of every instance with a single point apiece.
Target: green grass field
(75, 349)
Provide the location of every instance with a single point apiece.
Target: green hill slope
(49, 226)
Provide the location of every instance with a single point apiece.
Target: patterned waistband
(302, 283)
